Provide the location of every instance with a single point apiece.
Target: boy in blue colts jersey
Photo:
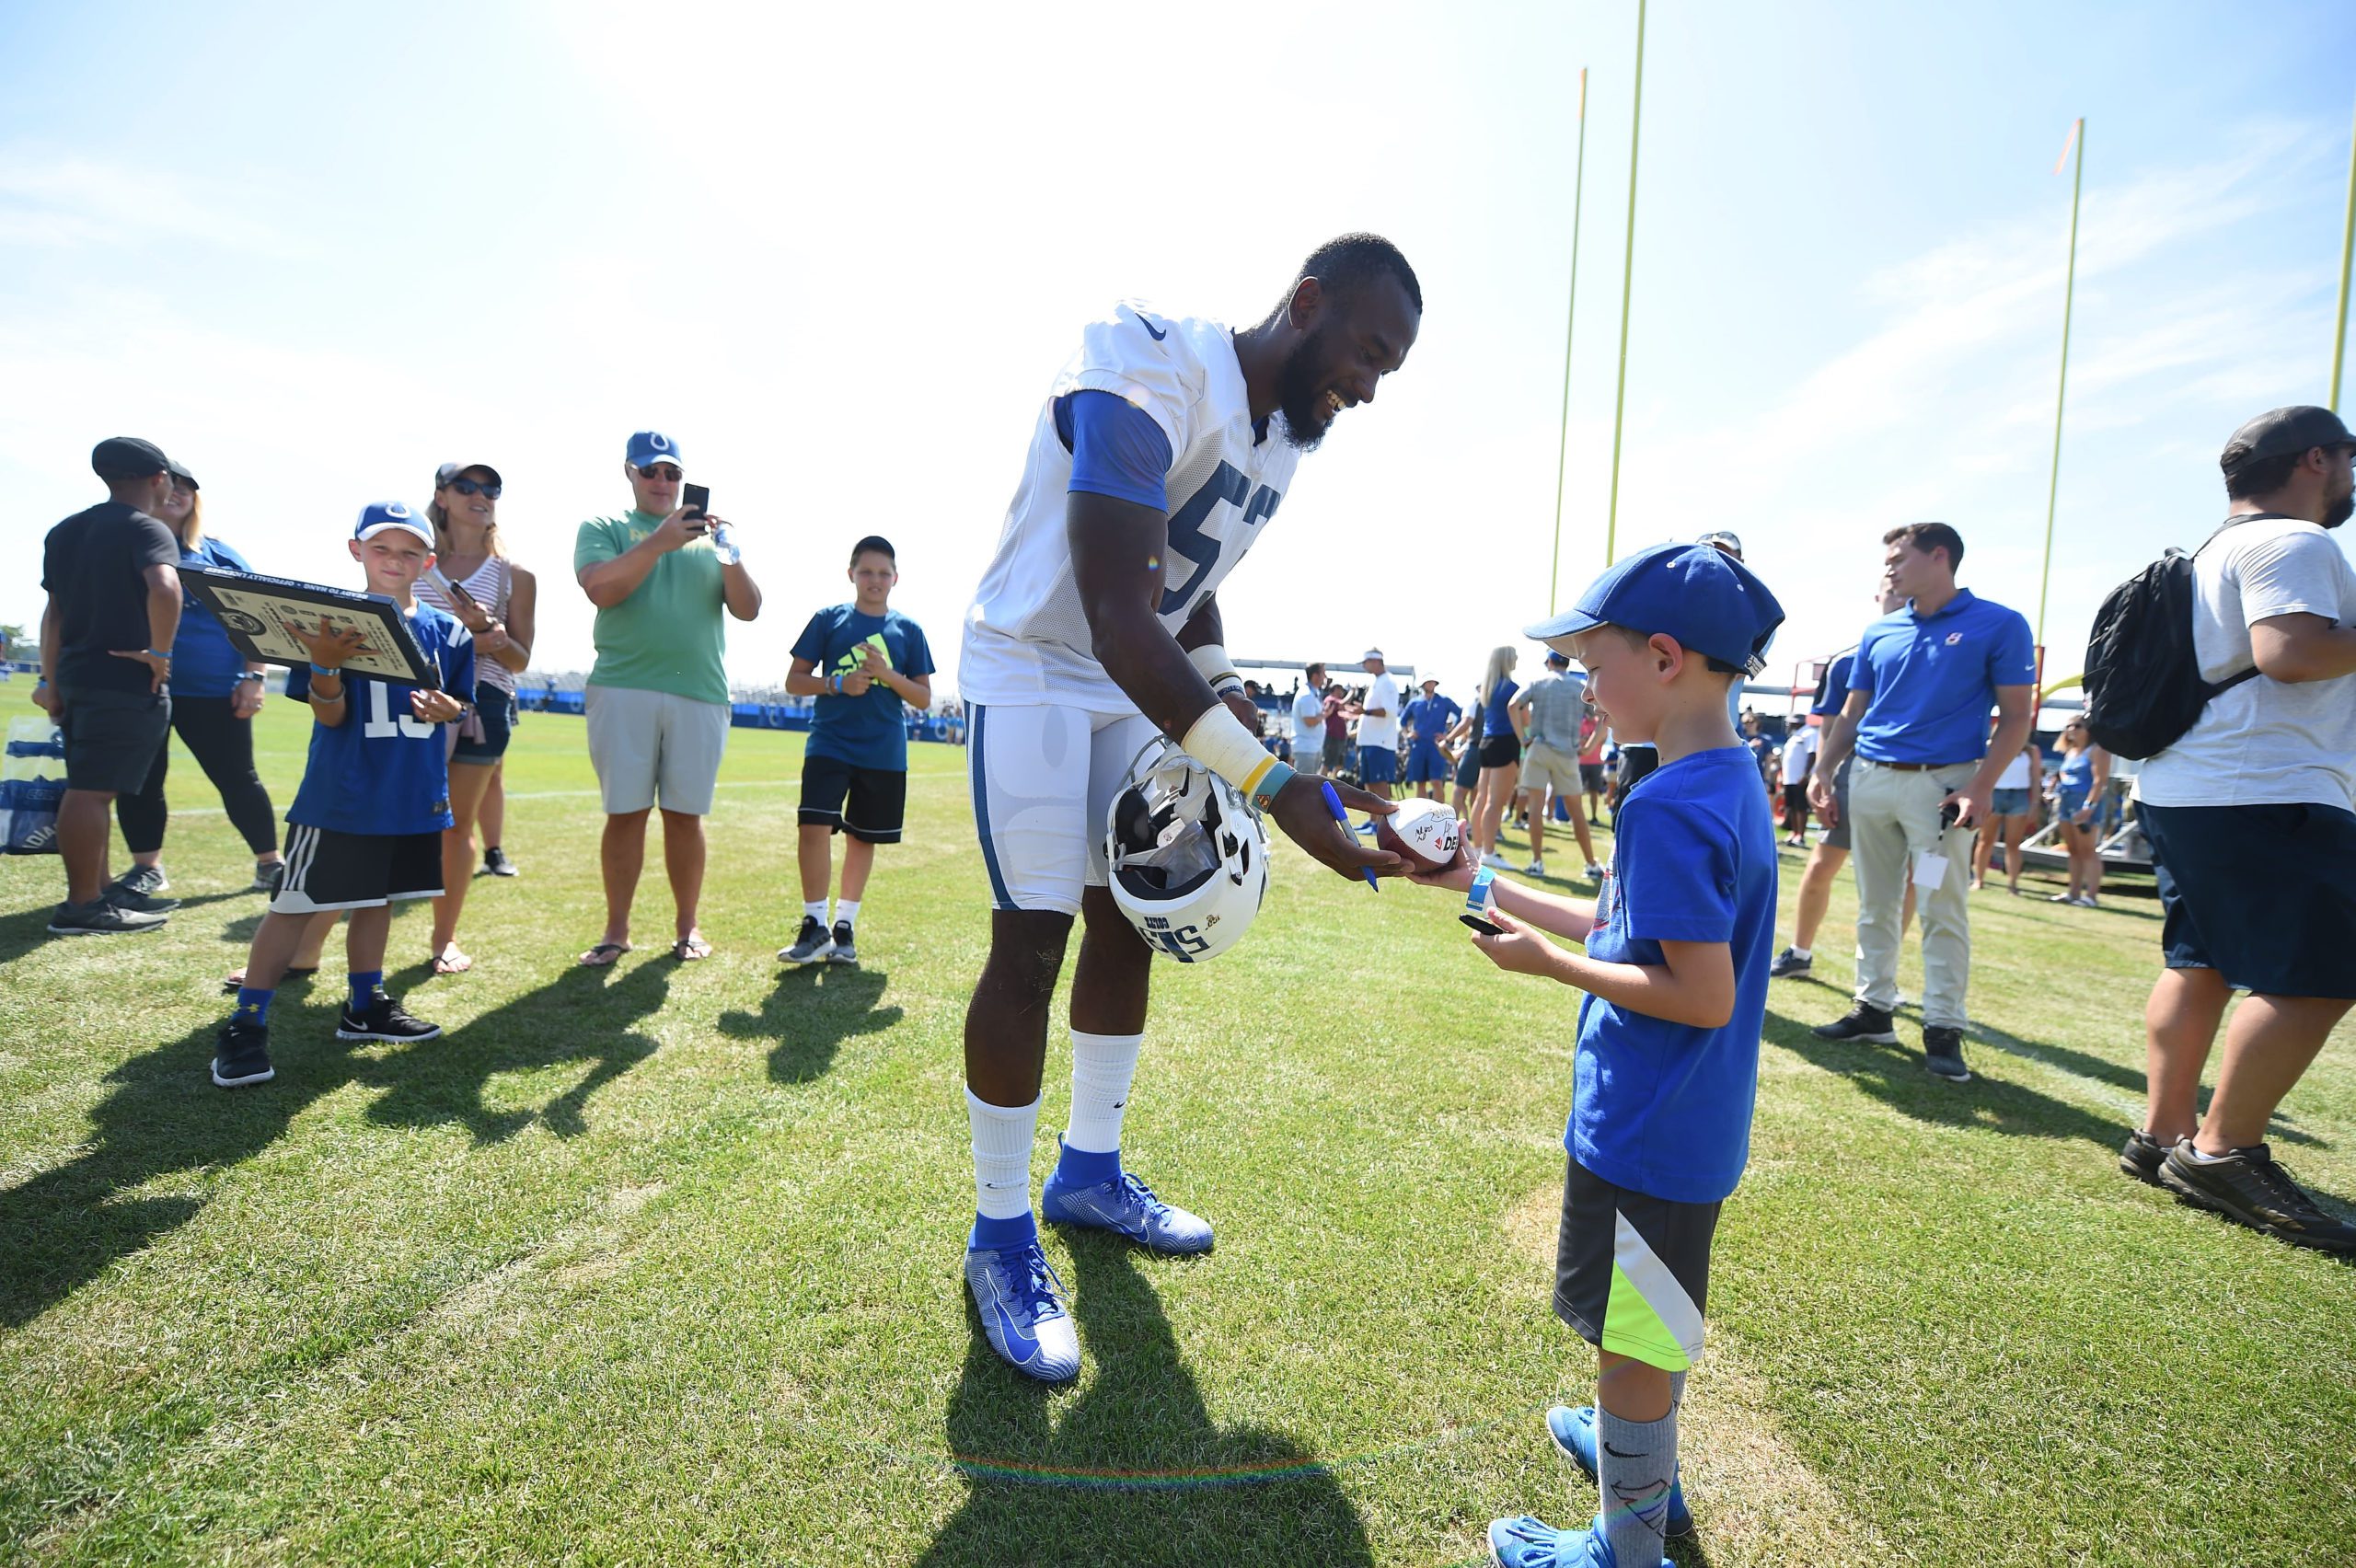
(862, 661)
(1675, 974)
(367, 819)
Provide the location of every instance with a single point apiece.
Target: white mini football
(1425, 833)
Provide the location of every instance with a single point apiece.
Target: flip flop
(452, 962)
(604, 953)
(233, 983)
(690, 947)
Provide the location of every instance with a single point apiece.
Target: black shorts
(326, 870)
(1794, 806)
(1631, 1272)
(2258, 893)
(1592, 778)
(1500, 750)
(869, 803)
(111, 737)
(497, 709)
(1468, 767)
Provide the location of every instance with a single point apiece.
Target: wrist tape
(1217, 668)
(1219, 742)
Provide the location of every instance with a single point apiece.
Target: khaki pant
(1893, 817)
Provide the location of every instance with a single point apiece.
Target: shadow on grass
(813, 1009)
(1895, 1076)
(28, 929)
(1132, 1469)
(63, 1228)
(583, 1015)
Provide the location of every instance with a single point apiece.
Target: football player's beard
(1300, 398)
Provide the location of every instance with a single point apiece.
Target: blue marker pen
(1334, 804)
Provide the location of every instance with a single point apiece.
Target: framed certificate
(261, 613)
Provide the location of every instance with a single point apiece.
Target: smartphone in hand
(697, 501)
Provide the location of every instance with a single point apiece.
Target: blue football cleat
(1574, 1434)
(1022, 1314)
(1525, 1543)
(1127, 1205)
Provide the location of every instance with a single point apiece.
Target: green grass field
(660, 1264)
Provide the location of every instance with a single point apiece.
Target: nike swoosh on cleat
(1148, 326)
(1024, 1348)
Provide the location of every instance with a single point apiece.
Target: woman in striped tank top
(473, 579)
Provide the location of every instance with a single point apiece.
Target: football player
(1161, 453)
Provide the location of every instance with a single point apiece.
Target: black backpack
(2143, 681)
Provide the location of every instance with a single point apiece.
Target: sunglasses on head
(670, 471)
(475, 487)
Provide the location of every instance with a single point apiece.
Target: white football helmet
(1189, 856)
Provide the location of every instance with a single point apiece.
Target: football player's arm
(1203, 637)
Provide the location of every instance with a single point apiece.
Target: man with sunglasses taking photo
(658, 694)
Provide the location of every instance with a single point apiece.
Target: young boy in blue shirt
(862, 661)
(1675, 972)
(367, 819)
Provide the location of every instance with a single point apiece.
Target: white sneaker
(1496, 861)
(1594, 872)
(1535, 869)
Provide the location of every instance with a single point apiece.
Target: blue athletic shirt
(2078, 772)
(1432, 717)
(1116, 448)
(1495, 721)
(384, 770)
(1661, 1108)
(205, 662)
(1931, 680)
(865, 731)
(1836, 686)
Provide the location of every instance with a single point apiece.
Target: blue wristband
(319, 669)
(1264, 796)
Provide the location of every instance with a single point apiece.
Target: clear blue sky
(314, 252)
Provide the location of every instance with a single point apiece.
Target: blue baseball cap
(1697, 594)
(649, 447)
(379, 516)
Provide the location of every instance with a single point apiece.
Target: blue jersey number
(1188, 537)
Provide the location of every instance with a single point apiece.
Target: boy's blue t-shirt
(865, 731)
(1662, 1108)
(205, 662)
(384, 770)
(1432, 717)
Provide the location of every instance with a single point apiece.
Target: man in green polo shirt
(658, 695)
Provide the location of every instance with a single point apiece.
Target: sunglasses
(670, 471)
(475, 487)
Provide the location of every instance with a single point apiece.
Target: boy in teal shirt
(1675, 974)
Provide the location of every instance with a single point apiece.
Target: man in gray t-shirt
(1547, 712)
(2251, 815)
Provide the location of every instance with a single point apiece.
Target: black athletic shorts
(869, 803)
(2260, 894)
(1592, 778)
(1500, 750)
(326, 870)
(111, 737)
(1631, 1272)
(1635, 763)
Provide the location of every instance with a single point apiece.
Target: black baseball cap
(128, 457)
(2279, 433)
(180, 472)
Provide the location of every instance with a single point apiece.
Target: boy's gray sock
(1636, 1464)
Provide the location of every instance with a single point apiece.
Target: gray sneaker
(100, 918)
(123, 896)
(846, 951)
(811, 947)
(147, 880)
(1788, 963)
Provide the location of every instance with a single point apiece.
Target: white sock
(815, 909)
(1102, 1066)
(846, 910)
(1002, 1139)
(1803, 952)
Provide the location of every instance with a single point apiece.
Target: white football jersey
(1026, 638)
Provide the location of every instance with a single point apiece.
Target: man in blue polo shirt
(1429, 717)
(1917, 719)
